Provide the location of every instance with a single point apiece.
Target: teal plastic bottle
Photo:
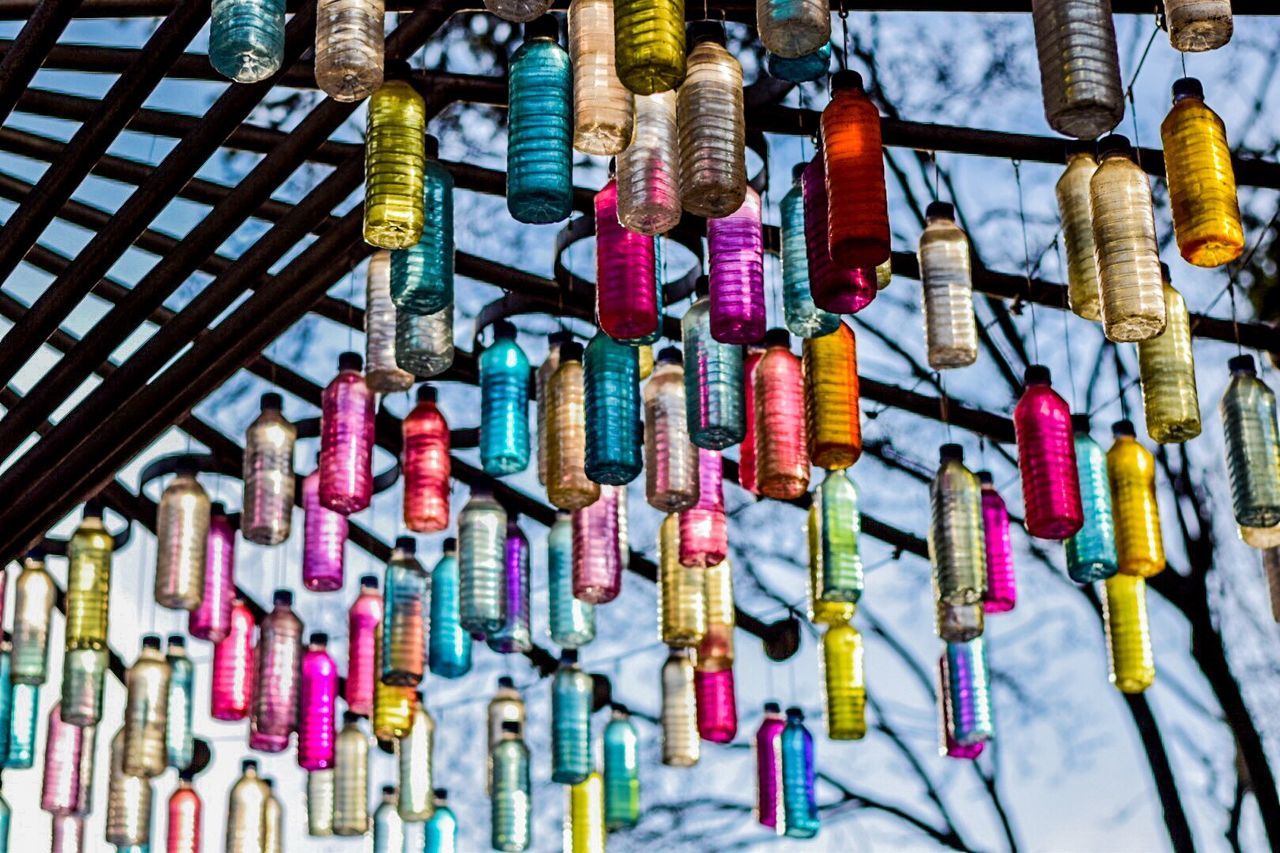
(178, 736)
(511, 806)
(1091, 552)
(6, 701)
(442, 827)
(621, 772)
(802, 317)
(504, 404)
(572, 621)
(540, 127)
(611, 376)
(404, 602)
(422, 275)
(799, 803)
(714, 405)
(571, 697)
(448, 644)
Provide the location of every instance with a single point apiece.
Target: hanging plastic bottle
(1132, 471)
(404, 606)
(845, 693)
(670, 459)
(424, 461)
(179, 738)
(714, 408)
(540, 126)
(969, 692)
(626, 298)
(572, 622)
(414, 800)
(246, 38)
(947, 745)
(542, 376)
(6, 700)
(833, 425)
(1001, 593)
(351, 778)
(801, 69)
(951, 330)
(649, 42)
(388, 826)
(185, 812)
(712, 131)
(1262, 538)
(392, 705)
(442, 828)
(324, 538)
(735, 250)
(648, 194)
(1271, 570)
(1196, 25)
(601, 104)
(518, 11)
(448, 644)
(1124, 243)
(506, 706)
(682, 618)
(1202, 184)
(1079, 66)
(146, 711)
(268, 475)
(802, 316)
(245, 805)
(232, 679)
(1124, 614)
(584, 829)
(600, 547)
(346, 439)
(679, 710)
(482, 532)
(1167, 368)
(1248, 412)
(1047, 459)
(793, 29)
(504, 404)
(799, 802)
(956, 547)
(66, 833)
(568, 486)
(23, 723)
(704, 537)
(272, 820)
(60, 788)
(182, 531)
(747, 447)
(571, 697)
(363, 621)
(381, 374)
(1091, 553)
(317, 698)
(394, 152)
(514, 636)
(717, 703)
(611, 379)
(274, 713)
(34, 595)
(715, 649)
(349, 48)
(83, 676)
(781, 442)
(88, 582)
(424, 342)
(857, 203)
(835, 561)
(835, 288)
(511, 808)
(1072, 191)
(129, 803)
(621, 771)
(422, 275)
(768, 756)
(211, 620)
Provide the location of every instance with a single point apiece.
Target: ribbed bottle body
(83, 675)
(626, 298)
(88, 585)
(414, 755)
(857, 202)
(712, 132)
(799, 800)
(504, 408)
(1072, 192)
(835, 563)
(519, 11)
(351, 781)
(246, 38)
(346, 444)
(682, 616)
(182, 531)
(388, 827)
(245, 813)
(621, 773)
(184, 820)
(511, 806)
(1091, 553)
(570, 725)
(541, 378)
(648, 182)
(845, 692)
(568, 486)
(422, 275)
(1001, 593)
(947, 744)
(715, 414)
(704, 536)
(320, 803)
(392, 704)
(67, 833)
(403, 620)
(679, 717)
(793, 28)
(364, 619)
(272, 822)
(800, 69)
(268, 479)
(781, 439)
(717, 703)
(572, 622)
(956, 545)
(766, 747)
(670, 459)
(1196, 25)
(803, 317)
(482, 532)
(324, 539)
(1047, 461)
(60, 787)
(611, 385)
(1202, 184)
(317, 714)
(424, 463)
(540, 133)
(277, 658)
(951, 330)
(424, 342)
(232, 677)
(128, 802)
(24, 722)
(1079, 66)
(600, 547)
(833, 424)
(349, 48)
(1167, 367)
(835, 288)
(601, 104)
(146, 714)
(179, 736)
(514, 636)
(735, 249)
(747, 447)
(1132, 471)
(441, 831)
(34, 595)
(394, 155)
(969, 692)
(1129, 655)
(1124, 244)
(381, 372)
(649, 44)
(6, 701)
(448, 643)
(1248, 412)
(1271, 569)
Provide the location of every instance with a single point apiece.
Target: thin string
(844, 25)
(1066, 328)
(1026, 257)
(1243, 263)
(937, 175)
(1133, 105)
(351, 297)
(944, 403)
(1235, 319)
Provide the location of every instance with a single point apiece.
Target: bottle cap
(249, 764)
(350, 361)
(177, 641)
(1080, 422)
(427, 393)
(217, 508)
(568, 656)
(669, 355)
(1037, 374)
(440, 794)
(702, 286)
(1165, 273)
(271, 402)
(1080, 146)
(268, 781)
(940, 210)
(777, 338)
(543, 27)
(479, 490)
(772, 708)
(151, 641)
(555, 339)
(948, 452)
(282, 597)
(406, 544)
(185, 466)
(985, 478)
(797, 172)
(431, 146)
(450, 545)
(388, 790)
(1242, 364)
(507, 682)
(511, 726)
(504, 330)
(842, 80)
(369, 581)
(396, 69)
(36, 554)
(351, 717)
(1187, 87)
(319, 638)
(795, 713)
(186, 774)
(699, 31)
(93, 508)
(1120, 428)
(571, 351)
(1115, 144)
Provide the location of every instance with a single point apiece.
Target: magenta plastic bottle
(717, 705)
(735, 251)
(318, 695)
(324, 539)
(212, 619)
(704, 538)
(1001, 593)
(600, 547)
(274, 713)
(363, 620)
(834, 289)
(768, 766)
(232, 678)
(1047, 459)
(346, 439)
(626, 299)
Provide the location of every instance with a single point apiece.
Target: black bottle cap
(846, 79)
(440, 794)
(271, 402)
(217, 508)
(427, 393)
(450, 544)
(511, 727)
(369, 581)
(396, 69)
(151, 641)
(93, 508)
(1037, 374)
(1080, 146)
(702, 286)
(176, 640)
(1120, 428)
(1187, 87)
(777, 338)
(431, 146)
(570, 351)
(388, 789)
(1242, 364)
(350, 361)
(249, 764)
(36, 554)
(1115, 144)
(282, 597)
(940, 210)
(670, 355)
(513, 526)
(406, 544)
(947, 452)
(699, 31)
(543, 27)
(985, 478)
(555, 339)
(797, 172)
(568, 656)
(1165, 272)
(319, 638)
(504, 330)
(1080, 422)
(185, 466)
(772, 708)
(479, 490)
(268, 781)
(351, 717)
(186, 774)
(794, 713)
(506, 681)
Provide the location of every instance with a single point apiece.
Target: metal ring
(58, 547)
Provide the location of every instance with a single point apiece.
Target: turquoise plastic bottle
(404, 601)
(621, 772)
(178, 737)
(801, 69)
(246, 38)
(802, 317)
(540, 127)
(448, 644)
(1091, 553)
(23, 725)
(6, 701)
(573, 622)
(612, 402)
(571, 696)
(799, 803)
(422, 275)
(5, 813)
(442, 827)
(504, 404)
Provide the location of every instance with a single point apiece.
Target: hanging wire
(944, 403)
(1066, 327)
(1026, 257)
(844, 26)
(1128, 92)
(937, 175)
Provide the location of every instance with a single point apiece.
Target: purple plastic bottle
(346, 439)
(735, 247)
(324, 539)
(768, 765)
(1001, 593)
(317, 725)
(600, 546)
(273, 715)
(212, 619)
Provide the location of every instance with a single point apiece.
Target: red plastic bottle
(232, 677)
(424, 461)
(857, 203)
(782, 446)
(184, 818)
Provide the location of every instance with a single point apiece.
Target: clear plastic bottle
(507, 705)
(182, 531)
(268, 475)
(320, 803)
(601, 104)
(424, 342)
(568, 486)
(670, 459)
(246, 38)
(956, 546)
(803, 317)
(519, 11)
(1124, 613)
(245, 810)
(129, 804)
(34, 595)
(1079, 66)
(179, 737)
(951, 330)
(1072, 191)
(680, 743)
(511, 809)
(1167, 367)
(1248, 412)
(414, 755)
(793, 28)
(388, 826)
(146, 711)
(404, 611)
(273, 716)
(351, 778)
(1132, 471)
(540, 126)
(648, 188)
(704, 529)
(381, 372)
(713, 393)
(1196, 25)
(571, 622)
(349, 47)
(422, 275)
(482, 533)
(712, 127)
(272, 820)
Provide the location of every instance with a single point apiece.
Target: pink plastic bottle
(735, 249)
(212, 619)
(600, 548)
(704, 538)
(60, 792)
(834, 288)
(232, 678)
(717, 705)
(626, 299)
(747, 450)
(424, 460)
(346, 439)
(324, 539)
(274, 713)
(363, 620)
(317, 726)
(768, 767)
(1001, 593)
(1047, 459)
(781, 439)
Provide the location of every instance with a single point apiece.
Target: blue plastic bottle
(801, 69)
(621, 772)
(504, 404)
(612, 402)
(449, 645)
(802, 317)
(571, 696)
(422, 275)
(540, 127)
(246, 38)
(799, 803)
(22, 727)
(442, 827)
(1091, 553)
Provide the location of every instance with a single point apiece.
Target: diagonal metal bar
(24, 55)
